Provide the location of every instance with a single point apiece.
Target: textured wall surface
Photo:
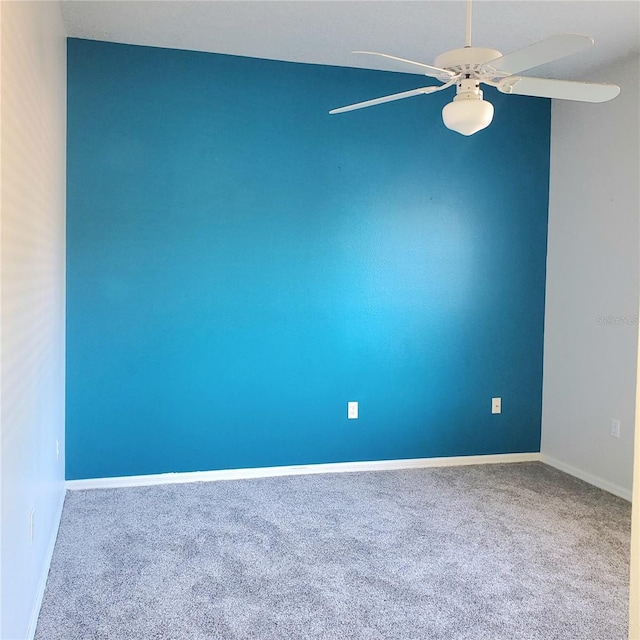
(241, 264)
(591, 325)
(33, 309)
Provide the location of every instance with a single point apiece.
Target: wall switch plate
(352, 410)
(615, 428)
(496, 405)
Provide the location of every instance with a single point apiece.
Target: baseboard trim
(42, 583)
(295, 470)
(617, 490)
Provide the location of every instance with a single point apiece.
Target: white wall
(593, 283)
(33, 135)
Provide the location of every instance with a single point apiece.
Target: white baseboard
(295, 470)
(587, 477)
(42, 583)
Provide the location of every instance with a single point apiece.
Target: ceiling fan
(468, 67)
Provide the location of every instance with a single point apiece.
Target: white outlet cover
(496, 405)
(615, 428)
(352, 410)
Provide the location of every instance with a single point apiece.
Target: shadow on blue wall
(241, 264)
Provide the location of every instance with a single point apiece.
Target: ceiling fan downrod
(467, 42)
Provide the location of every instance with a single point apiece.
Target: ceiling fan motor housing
(467, 60)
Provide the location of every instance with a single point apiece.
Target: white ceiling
(325, 32)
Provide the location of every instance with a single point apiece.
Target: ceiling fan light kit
(468, 113)
(469, 66)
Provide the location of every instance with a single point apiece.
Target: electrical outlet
(32, 515)
(615, 428)
(352, 410)
(57, 449)
(496, 405)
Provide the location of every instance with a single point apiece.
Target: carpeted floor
(493, 552)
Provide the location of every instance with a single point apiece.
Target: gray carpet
(487, 552)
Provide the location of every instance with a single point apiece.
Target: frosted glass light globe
(467, 116)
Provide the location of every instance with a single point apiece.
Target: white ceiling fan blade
(390, 98)
(560, 89)
(396, 96)
(427, 69)
(534, 55)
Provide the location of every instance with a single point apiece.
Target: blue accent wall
(242, 264)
